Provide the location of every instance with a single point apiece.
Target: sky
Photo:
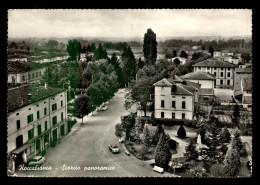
(129, 23)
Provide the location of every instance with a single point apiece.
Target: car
(113, 149)
(38, 160)
(158, 169)
(127, 153)
(104, 107)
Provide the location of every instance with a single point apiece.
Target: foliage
(191, 152)
(140, 63)
(82, 106)
(245, 57)
(225, 135)
(128, 123)
(73, 49)
(118, 130)
(197, 170)
(52, 45)
(211, 50)
(232, 162)
(217, 170)
(237, 139)
(177, 62)
(181, 132)
(236, 115)
(99, 53)
(162, 152)
(150, 47)
(174, 53)
(183, 54)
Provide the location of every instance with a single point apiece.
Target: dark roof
(180, 89)
(193, 84)
(175, 79)
(206, 92)
(243, 70)
(16, 67)
(198, 75)
(18, 95)
(213, 63)
(164, 83)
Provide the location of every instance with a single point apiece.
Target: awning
(22, 148)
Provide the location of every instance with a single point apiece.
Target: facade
(226, 53)
(52, 59)
(37, 117)
(223, 71)
(217, 54)
(85, 56)
(206, 96)
(240, 74)
(246, 86)
(173, 100)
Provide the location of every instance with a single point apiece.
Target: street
(87, 146)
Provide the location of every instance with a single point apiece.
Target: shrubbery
(171, 122)
(181, 132)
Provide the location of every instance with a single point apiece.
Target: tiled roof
(16, 67)
(206, 92)
(247, 84)
(213, 63)
(18, 95)
(180, 89)
(193, 84)
(198, 75)
(175, 79)
(243, 70)
(164, 83)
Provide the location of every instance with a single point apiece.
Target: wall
(205, 84)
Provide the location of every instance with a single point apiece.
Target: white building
(37, 117)
(173, 100)
(217, 54)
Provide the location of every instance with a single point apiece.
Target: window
(215, 68)
(222, 68)
(228, 82)
(205, 98)
(215, 73)
(39, 129)
(183, 105)
(19, 141)
(54, 106)
(45, 111)
(221, 82)
(31, 134)
(62, 116)
(221, 74)
(208, 68)
(183, 97)
(61, 103)
(183, 115)
(46, 126)
(228, 74)
(162, 103)
(38, 114)
(162, 114)
(17, 114)
(228, 68)
(33, 76)
(173, 104)
(173, 115)
(199, 68)
(18, 125)
(54, 120)
(30, 118)
(23, 78)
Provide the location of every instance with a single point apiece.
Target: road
(87, 146)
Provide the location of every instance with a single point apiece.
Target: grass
(135, 148)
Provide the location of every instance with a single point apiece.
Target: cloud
(128, 23)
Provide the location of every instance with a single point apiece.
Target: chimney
(46, 86)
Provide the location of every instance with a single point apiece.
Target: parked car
(158, 169)
(38, 160)
(113, 149)
(127, 153)
(104, 107)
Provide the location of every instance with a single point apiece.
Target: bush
(171, 122)
(217, 170)
(181, 132)
(243, 151)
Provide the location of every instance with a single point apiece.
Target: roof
(198, 75)
(16, 67)
(18, 95)
(180, 89)
(247, 84)
(206, 92)
(243, 70)
(226, 51)
(193, 84)
(175, 79)
(213, 63)
(163, 83)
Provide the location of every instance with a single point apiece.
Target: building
(223, 71)
(217, 54)
(240, 74)
(226, 53)
(205, 79)
(246, 86)
(22, 73)
(44, 59)
(206, 96)
(85, 56)
(173, 100)
(37, 117)
(24, 59)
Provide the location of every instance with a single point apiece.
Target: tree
(143, 151)
(162, 151)
(191, 152)
(150, 47)
(196, 170)
(73, 49)
(232, 162)
(181, 132)
(183, 54)
(128, 65)
(51, 45)
(177, 62)
(245, 57)
(211, 51)
(174, 53)
(118, 130)
(217, 170)
(203, 47)
(236, 115)
(93, 48)
(14, 45)
(82, 106)
(140, 64)
(146, 137)
(237, 139)
(225, 135)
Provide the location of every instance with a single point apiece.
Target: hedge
(171, 122)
